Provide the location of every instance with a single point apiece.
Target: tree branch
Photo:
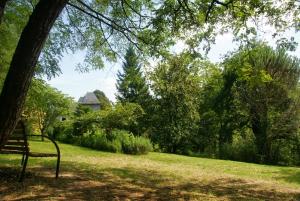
(212, 4)
(126, 32)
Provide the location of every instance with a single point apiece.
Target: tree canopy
(44, 105)
(176, 83)
(263, 87)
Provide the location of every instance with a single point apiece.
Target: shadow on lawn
(85, 182)
(290, 176)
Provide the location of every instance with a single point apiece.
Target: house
(90, 100)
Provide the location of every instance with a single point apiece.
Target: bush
(123, 116)
(136, 145)
(284, 152)
(63, 131)
(118, 141)
(131, 144)
(97, 140)
(241, 149)
(89, 122)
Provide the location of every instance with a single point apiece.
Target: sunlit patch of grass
(93, 175)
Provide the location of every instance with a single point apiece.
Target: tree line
(245, 108)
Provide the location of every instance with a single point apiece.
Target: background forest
(246, 108)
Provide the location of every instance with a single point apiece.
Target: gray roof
(89, 98)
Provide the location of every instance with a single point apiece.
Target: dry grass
(94, 175)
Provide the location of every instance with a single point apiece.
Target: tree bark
(2, 6)
(23, 63)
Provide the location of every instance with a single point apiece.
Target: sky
(77, 84)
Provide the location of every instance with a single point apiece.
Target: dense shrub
(123, 117)
(241, 149)
(63, 131)
(99, 141)
(116, 141)
(284, 152)
(89, 122)
(134, 144)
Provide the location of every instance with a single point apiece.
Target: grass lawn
(93, 175)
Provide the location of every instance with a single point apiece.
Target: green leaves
(131, 84)
(176, 85)
(263, 80)
(105, 28)
(45, 104)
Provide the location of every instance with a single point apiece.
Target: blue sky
(76, 84)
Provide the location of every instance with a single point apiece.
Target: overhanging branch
(212, 4)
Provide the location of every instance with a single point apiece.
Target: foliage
(176, 85)
(122, 116)
(206, 138)
(104, 101)
(132, 88)
(246, 109)
(63, 131)
(259, 91)
(134, 144)
(116, 141)
(152, 26)
(82, 110)
(10, 30)
(87, 122)
(104, 130)
(240, 149)
(131, 85)
(44, 105)
(99, 141)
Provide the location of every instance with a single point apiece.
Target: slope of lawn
(93, 175)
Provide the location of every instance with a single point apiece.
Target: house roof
(89, 98)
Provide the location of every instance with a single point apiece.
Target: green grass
(93, 175)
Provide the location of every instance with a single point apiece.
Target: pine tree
(132, 88)
(131, 84)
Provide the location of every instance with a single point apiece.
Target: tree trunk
(23, 63)
(259, 124)
(2, 6)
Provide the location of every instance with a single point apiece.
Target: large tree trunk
(23, 63)
(2, 6)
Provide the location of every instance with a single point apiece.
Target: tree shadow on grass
(81, 181)
(223, 188)
(290, 175)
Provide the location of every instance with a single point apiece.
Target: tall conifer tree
(131, 84)
(132, 88)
